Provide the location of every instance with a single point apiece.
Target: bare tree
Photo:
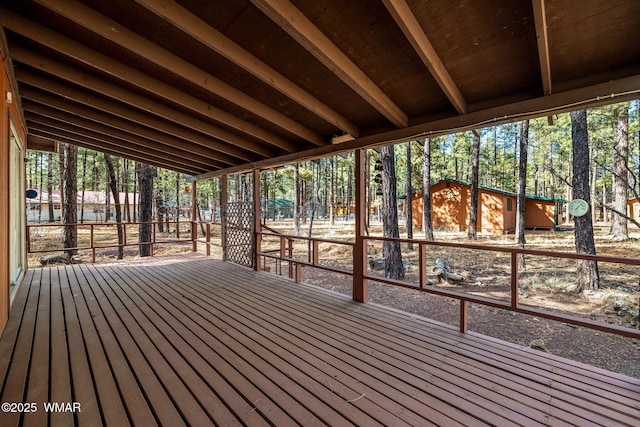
(427, 222)
(475, 176)
(394, 268)
(588, 275)
(116, 197)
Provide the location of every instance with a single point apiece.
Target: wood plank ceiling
(210, 87)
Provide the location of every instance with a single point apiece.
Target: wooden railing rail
(295, 264)
(206, 240)
(513, 305)
(464, 299)
(92, 240)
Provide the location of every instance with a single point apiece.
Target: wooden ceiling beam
(298, 26)
(38, 121)
(614, 91)
(183, 137)
(406, 20)
(101, 146)
(237, 147)
(46, 103)
(38, 143)
(81, 53)
(113, 127)
(129, 40)
(190, 24)
(542, 36)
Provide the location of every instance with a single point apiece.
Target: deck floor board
(188, 340)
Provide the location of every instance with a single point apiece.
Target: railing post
(93, 248)
(514, 279)
(464, 307)
(298, 272)
(223, 215)
(422, 261)
(208, 239)
(257, 226)
(360, 288)
(153, 239)
(316, 254)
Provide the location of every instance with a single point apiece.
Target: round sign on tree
(578, 207)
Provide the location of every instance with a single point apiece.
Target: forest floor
(545, 282)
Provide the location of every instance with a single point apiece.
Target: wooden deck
(195, 341)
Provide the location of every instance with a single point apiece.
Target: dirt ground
(544, 282)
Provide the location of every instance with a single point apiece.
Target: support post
(257, 226)
(422, 261)
(194, 218)
(360, 284)
(464, 308)
(208, 239)
(223, 215)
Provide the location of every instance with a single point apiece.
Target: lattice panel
(239, 233)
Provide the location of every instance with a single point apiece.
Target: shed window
(509, 205)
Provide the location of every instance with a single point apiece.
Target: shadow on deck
(192, 340)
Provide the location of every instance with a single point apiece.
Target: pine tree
(116, 197)
(473, 209)
(394, 268)
(588, 275)
(146, 174)
(69, 166)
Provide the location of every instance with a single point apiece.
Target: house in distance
(451, 199)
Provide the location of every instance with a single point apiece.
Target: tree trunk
(50, 187)
(160, 210)
(107, 213)
(116, 199)
(84, 179)
(587, 271)
(473, 208)
(297, 197)
(409, 198)
(427, 222)
(69, 154)
(394, 267)
(136, 201)
(178, 206)
(145, 175)
(125, 184)
(522, 183)
(41, 156)
(619, 229)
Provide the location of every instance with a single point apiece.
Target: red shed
(450, 201)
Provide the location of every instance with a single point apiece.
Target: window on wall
(509, 205)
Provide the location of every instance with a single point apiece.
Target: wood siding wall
(497, 211)
(11, 177)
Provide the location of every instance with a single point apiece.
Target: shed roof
(498, 191)
(206, 88)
